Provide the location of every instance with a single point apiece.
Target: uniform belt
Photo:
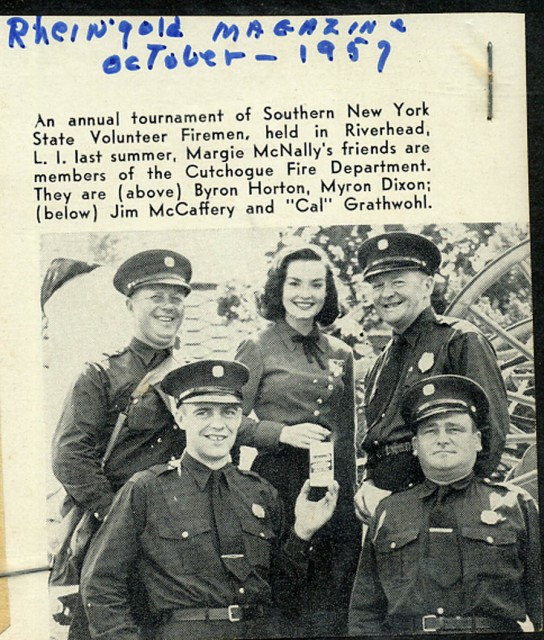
(392, 449)
(434, 623)
(233, 613)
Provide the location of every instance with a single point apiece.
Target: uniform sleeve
(368, 606)
(532, 579)
(109, 561)
(255, 433)
(472, 355)
(76, 454)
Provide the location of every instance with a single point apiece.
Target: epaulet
(116, 354)
(265, 485)
(457, 323)
(153, 472)
(251, 474)
(506, 486)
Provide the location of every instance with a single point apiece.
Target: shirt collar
(413, 332)
(286, 333)
(146, 352)
(200, 472)
(429, 487)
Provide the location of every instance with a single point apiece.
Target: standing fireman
(456, 553)
(400, 267)
(301, 389)
(209, 541)
(155, 284)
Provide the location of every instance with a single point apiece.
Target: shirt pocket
(258, 541)
(490, 551)
(188, 545)
(397, 554)
(147, 413)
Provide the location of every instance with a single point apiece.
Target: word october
(326, 37)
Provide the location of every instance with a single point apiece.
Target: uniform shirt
(284, 388)
(162, 521)
(491, 559)
(437, 345)
(90, 411)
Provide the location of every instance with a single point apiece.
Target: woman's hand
(303, 435)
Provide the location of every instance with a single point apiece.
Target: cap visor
(166, 279)
(375, 271)
(213, 398)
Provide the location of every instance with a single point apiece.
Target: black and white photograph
(353, 375)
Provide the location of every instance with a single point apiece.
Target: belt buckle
(432, 618)
(235, 614)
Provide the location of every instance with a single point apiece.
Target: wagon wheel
(509, 274)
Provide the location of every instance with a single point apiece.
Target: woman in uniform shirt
(301, 390)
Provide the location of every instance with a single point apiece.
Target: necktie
(158, 357)
(312, 350)
(227, 528)
(387, 379)
(444, 558)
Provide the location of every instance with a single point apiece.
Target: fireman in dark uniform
(400, 268)
(208, 540)
(456, 553)
(155, 284)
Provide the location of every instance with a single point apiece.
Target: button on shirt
(489, 563)
(286, 388)
(435, 345)
(162, 520)
(89, 415)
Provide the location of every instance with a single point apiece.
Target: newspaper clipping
(269, 326)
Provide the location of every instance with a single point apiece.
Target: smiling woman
(301, 390)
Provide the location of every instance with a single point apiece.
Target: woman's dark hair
(270, 302)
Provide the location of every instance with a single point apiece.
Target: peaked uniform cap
(444, 394)
(156, 266)
(216, 381)
(395, 251)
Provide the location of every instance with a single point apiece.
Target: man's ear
(178, 415)
(128, 303)
(478, 435)
(429, 283)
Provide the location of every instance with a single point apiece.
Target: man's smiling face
(211, 430)
(400, 296)
(158, 312)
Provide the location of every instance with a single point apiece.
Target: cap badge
(383, 244)
(428, 389)
(258, 510)
(426, 362)
(169, 262)
(218, 371)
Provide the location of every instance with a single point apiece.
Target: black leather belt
(392, 449)
(434, 623)
(232, 613)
